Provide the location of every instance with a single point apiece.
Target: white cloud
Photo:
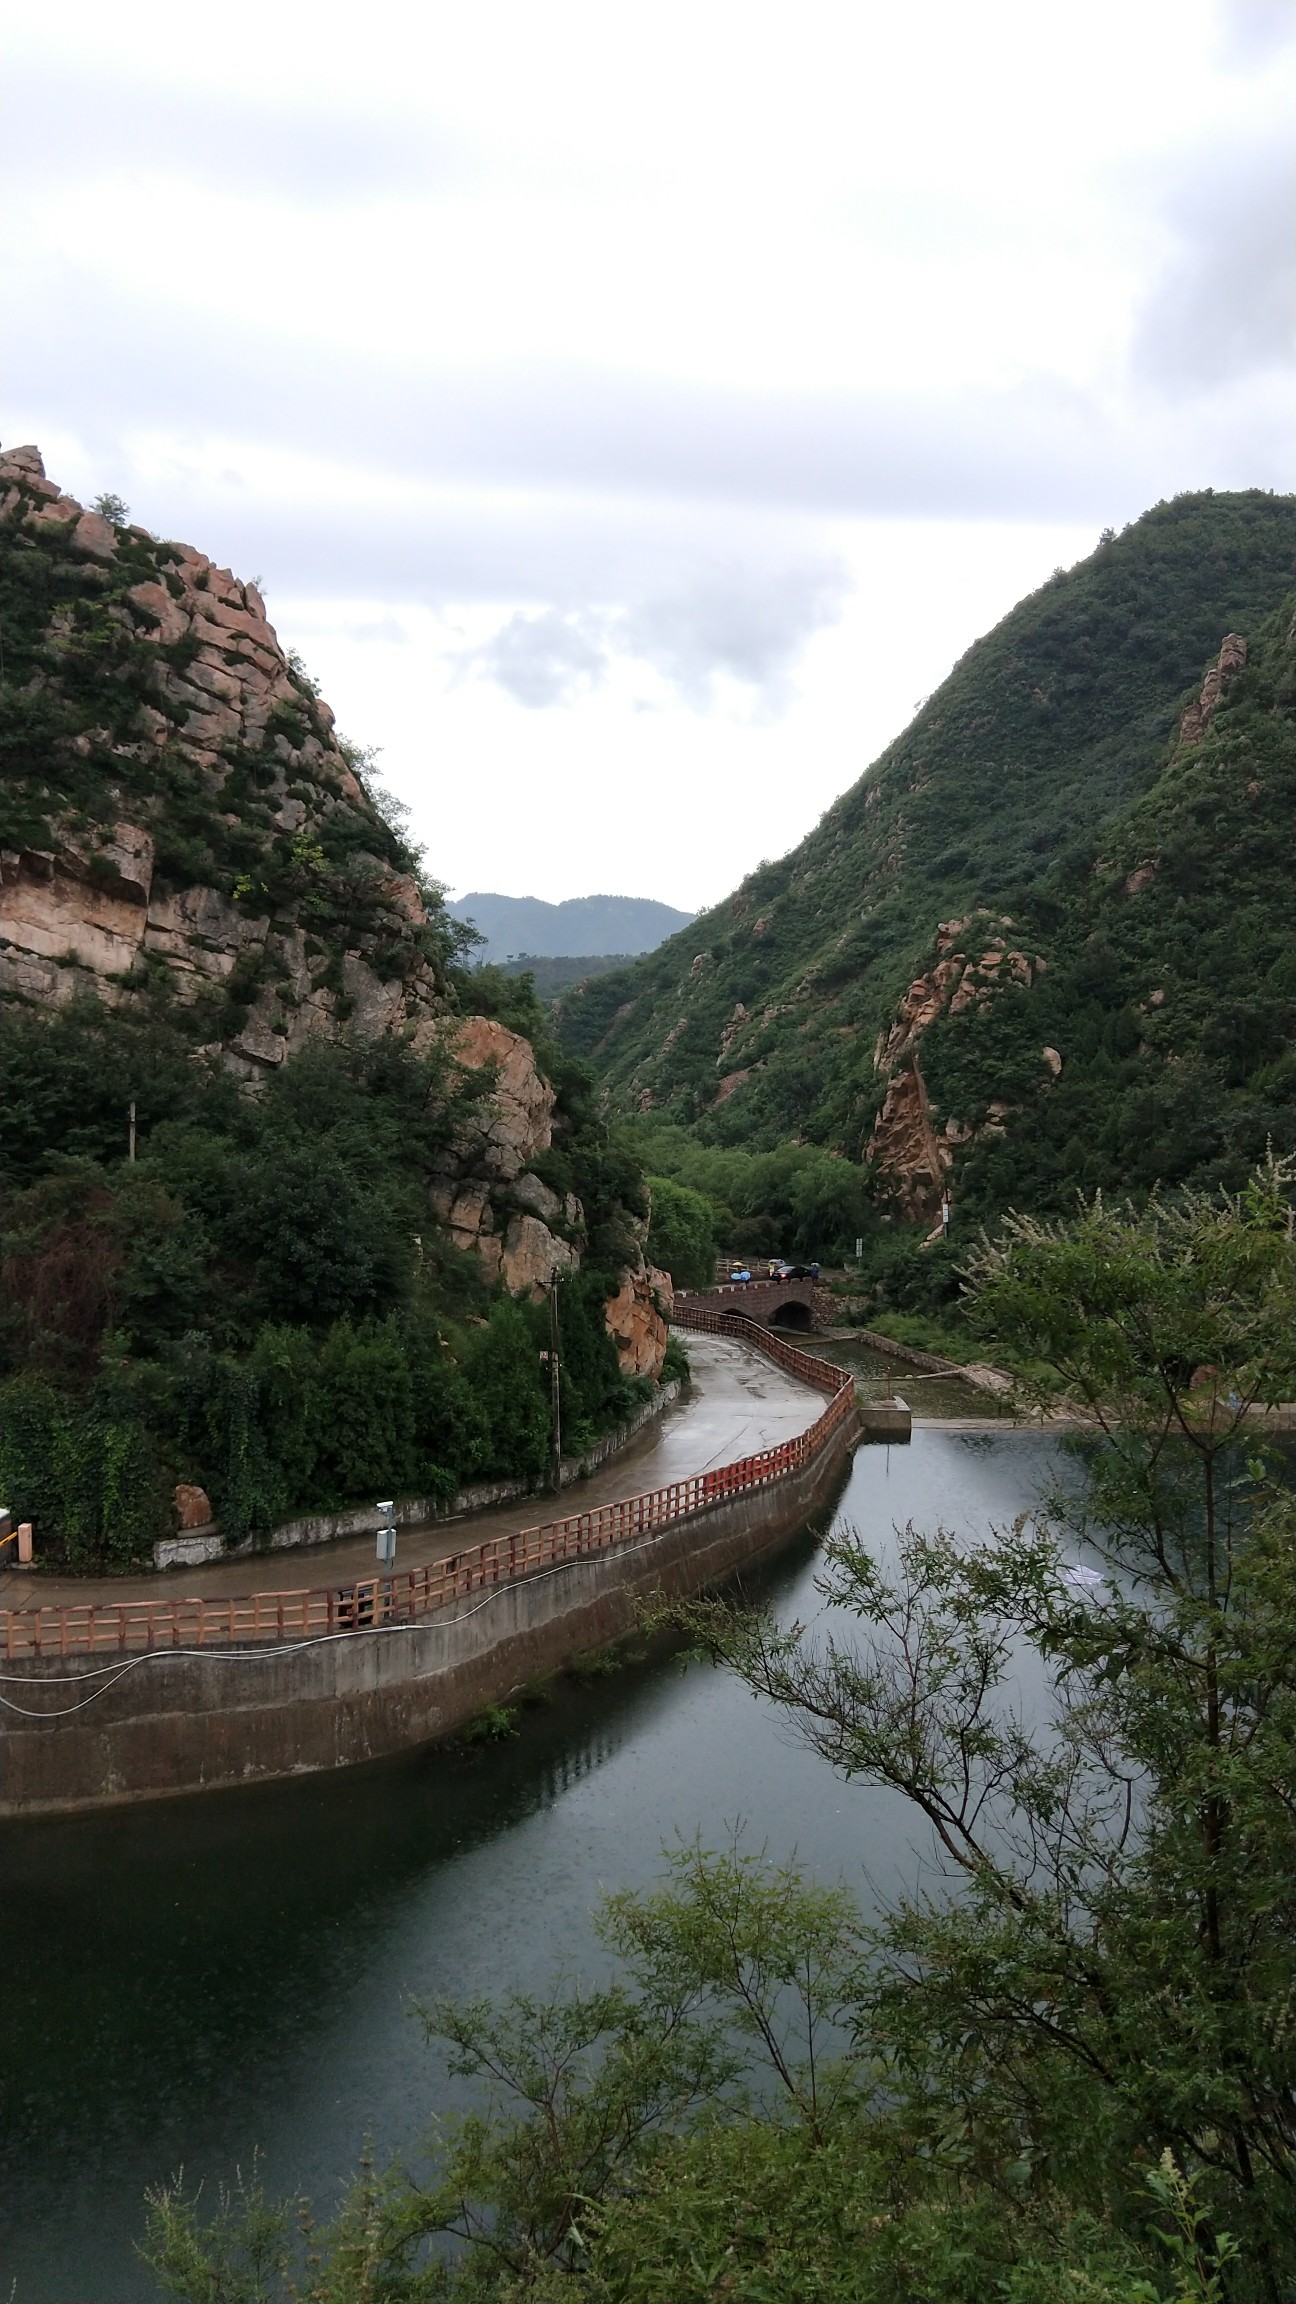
(1251, 31)
(380, 628)
(674, 802)
(554, 364)
(1225, 305)
(720, 629)
(540, 660)
(740, 625)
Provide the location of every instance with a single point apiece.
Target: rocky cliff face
(910, 1152)
(490, 1204)
(1198, 716)
(188, 802)
(182, 820)
(637, 1320)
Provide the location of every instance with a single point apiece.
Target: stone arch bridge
(774, 1303)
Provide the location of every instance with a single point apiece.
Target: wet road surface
(737, 1404)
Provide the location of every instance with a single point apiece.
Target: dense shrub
(682, 1237)
(796, 1200)
(905, 1271)
(84, 1466)
(281, 1321)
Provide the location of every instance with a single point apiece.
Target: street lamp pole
(555, 1397)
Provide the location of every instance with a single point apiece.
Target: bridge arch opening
(792, 1314)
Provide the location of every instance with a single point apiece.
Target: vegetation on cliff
(238, 1096)
(145, 692)
(552, 977)
(261, 1304)
(1110, 878)
(1061, 2070)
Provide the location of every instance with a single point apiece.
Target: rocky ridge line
(84, 911)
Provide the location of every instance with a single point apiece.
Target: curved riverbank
(190, 1981)
(204, 1691)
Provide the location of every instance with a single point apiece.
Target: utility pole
(130, 1130)
(555, 1397)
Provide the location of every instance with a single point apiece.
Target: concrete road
(737, 1404)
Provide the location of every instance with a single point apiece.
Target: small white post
(387, 1533)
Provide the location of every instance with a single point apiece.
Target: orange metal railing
(281, 1618)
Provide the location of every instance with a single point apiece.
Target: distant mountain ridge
(580, 927)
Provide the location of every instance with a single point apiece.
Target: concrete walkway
(737, 1404)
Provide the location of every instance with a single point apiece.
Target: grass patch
(493, 1725)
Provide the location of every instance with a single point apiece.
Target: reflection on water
(190, 1980)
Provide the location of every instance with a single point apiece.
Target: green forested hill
(1045, 774)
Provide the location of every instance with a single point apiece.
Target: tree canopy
(1065, 2070)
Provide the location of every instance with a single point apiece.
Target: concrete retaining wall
(978, 1373)
(163, 1724)
(875, 1341)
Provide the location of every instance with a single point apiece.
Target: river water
(185, 1983)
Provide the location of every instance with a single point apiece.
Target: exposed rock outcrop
(218, 719)
(517, 1248)
(905, 1148)
(733, 1081)
(188, 812)
(74, 903)
(637, 1321)
(908, 1150)
(498, 1209)
(1198, 716)
(193, 1506)
(490, 1203)
(517, 1122)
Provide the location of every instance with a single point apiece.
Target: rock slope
(177, 794)
(181, 820)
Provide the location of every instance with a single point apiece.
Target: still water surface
(183, 1983)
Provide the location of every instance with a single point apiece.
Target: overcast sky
(633, 410)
